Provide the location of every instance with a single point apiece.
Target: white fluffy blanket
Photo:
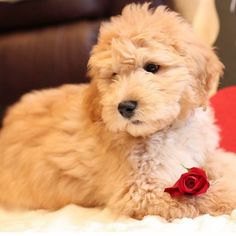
(73, 218)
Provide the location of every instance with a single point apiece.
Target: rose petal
(181, 182)
(200, 185)
(187, 181)
(177, 185)
(184, 187)
(198, 172)
(203, 189)
(173, 191)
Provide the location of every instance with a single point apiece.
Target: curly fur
(71, 145)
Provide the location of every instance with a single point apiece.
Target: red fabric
(224, 104)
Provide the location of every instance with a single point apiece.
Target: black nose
(127, 108)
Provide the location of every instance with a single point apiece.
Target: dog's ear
(92, 102)
(212, 68)
(204, 67)
(203, 64)
(214, 71)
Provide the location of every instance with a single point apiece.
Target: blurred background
(46, 43)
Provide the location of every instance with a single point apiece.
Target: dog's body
(73, 145)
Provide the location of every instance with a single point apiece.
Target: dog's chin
(138, 128)
(143, 129)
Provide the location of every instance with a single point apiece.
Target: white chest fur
(184, 145)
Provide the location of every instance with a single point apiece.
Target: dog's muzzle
(127, 108)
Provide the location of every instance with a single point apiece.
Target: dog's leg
(149, 198)
(221, 196)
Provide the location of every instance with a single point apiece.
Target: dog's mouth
(137, 122)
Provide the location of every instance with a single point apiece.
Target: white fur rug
(73, 218)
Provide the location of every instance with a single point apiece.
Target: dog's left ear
(205, 68)
(213, 70)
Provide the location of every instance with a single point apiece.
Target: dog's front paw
(216, 207)
(220, 199)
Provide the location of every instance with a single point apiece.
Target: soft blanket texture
(75, 218)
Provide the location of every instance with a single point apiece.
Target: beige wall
(202, 15)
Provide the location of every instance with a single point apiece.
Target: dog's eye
(152, 68)
(114, 74)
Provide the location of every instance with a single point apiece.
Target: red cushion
(224, 104)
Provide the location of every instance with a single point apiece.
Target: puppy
(119, 141)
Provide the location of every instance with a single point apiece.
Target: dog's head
(149, 69)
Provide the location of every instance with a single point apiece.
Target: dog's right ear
(100, 64)
(92, 66)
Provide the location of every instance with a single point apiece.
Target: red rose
(194, 182)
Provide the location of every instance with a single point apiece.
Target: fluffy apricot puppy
(119, 141)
